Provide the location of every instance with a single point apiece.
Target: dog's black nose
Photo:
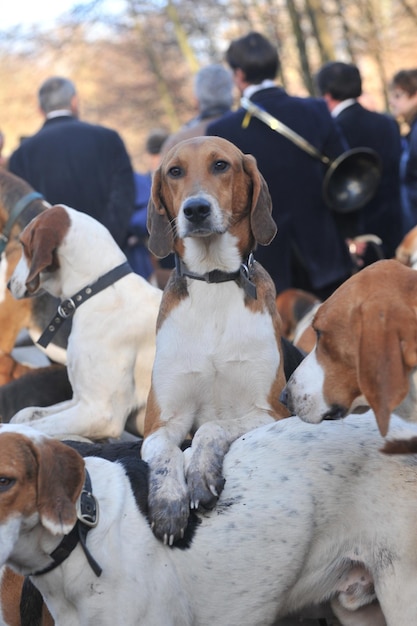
(196, 210)
(336, 412)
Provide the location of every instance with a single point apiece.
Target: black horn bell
(352, 180)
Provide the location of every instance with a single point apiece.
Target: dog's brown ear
(161, 240)
(60, 480)
(40, 244)
(263, 226)
(387, 354)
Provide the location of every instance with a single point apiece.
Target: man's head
(403, 95)
(57, 94)
(213, 88)
(340, 81)
(255, 57)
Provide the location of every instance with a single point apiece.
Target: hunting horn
(351, 179)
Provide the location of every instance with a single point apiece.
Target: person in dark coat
(403, 102)
(340, 84)
(72, 162)
(308, 252)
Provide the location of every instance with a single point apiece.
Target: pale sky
(40, 12)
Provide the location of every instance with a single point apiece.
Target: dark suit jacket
(307, 232)
(382, 215)
(408, 177)
(83, 166)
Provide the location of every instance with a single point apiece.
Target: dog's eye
(221, 166)
(175, 171)
(318, 333)
(6, 483)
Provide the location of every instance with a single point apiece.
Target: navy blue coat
(83, 166)
(307, 230)
(382, 215)
(408, 177)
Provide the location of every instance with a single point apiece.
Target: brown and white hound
(365, 354)
(112, 341)
(218, 368)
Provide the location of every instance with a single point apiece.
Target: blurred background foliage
(133, 61)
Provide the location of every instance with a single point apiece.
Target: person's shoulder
(377, 118)
(313, 103)
(225, 121)
(97, 128)
(24, 146)
(306, 105)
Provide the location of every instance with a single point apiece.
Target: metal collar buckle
(87, 509)
(247, 268)
(66, 308)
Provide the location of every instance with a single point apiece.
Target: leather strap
(242, 277)
(68, 306)
(87, 519)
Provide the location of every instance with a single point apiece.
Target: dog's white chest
(215, 354)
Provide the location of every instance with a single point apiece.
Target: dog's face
(205, 189)
(38, 265)
(366, 348)
(40, 481)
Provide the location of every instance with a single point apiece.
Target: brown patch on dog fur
(293, 305)
(400, 446)
(10, 369)
(153, 412)
(49, 228)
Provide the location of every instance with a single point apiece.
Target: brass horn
(351, 179)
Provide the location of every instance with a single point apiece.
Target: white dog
(309, 513)
(112, 342)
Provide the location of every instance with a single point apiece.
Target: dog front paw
(206, 486)
(168, 508)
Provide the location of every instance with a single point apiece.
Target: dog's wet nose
(197, 209)
(336, 412)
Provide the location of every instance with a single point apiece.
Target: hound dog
(366, 351)
(297, 518)
(112, 342)
(218, 368)
(19, 204)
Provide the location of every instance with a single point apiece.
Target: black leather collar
(87, 514)
(242, 276)
(68, 306)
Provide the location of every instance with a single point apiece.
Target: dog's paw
(168, 510)
(205, 485)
